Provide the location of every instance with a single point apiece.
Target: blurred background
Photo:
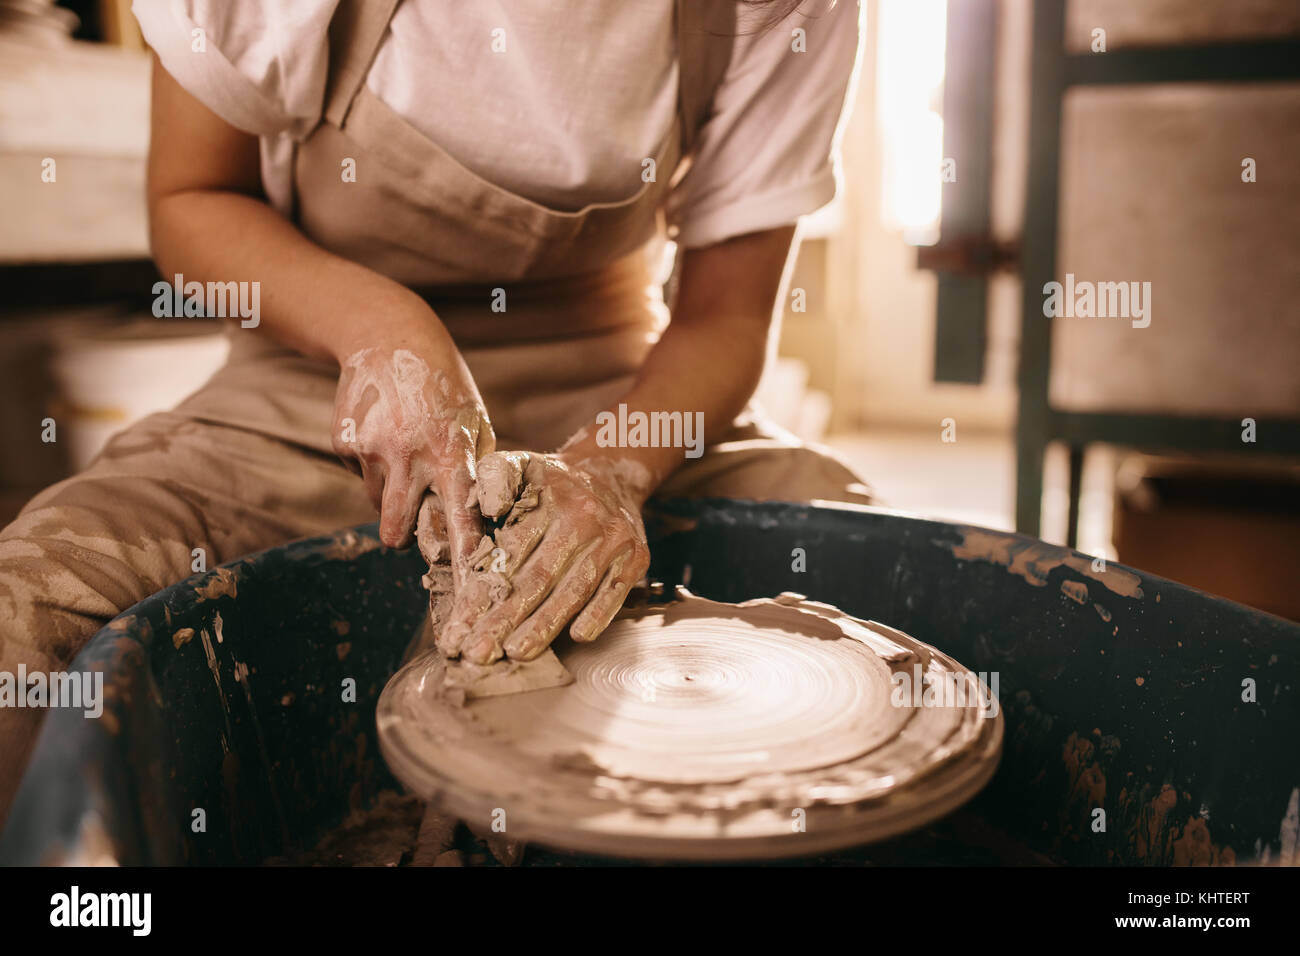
(993, 146)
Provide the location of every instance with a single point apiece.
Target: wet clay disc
(697, 730)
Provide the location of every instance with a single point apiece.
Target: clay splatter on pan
(1034, 560)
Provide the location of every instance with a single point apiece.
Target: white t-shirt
(559, 101)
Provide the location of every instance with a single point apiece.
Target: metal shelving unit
(1054, 71)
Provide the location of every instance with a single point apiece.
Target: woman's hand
(409, 419)
(570, 547)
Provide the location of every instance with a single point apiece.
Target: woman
(454, 221)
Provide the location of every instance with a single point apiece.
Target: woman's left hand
(571, 546)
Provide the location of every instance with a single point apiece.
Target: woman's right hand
(409, 419)
(407, 415)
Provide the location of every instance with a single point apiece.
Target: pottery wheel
(697, 730)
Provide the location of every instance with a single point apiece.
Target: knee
(72, 560)
(54, 595)
(767, 469)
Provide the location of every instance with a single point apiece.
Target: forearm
(310, 300)
(705, 371)
(706, 365)
(209, 222)
(711, 368)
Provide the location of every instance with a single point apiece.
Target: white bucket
(111, 374)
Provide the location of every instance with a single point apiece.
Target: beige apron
(582, 303)
(582, 307)
(417, 215)
(245, 463)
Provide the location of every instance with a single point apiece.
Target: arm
(725, 305)
(576, 544)
(208, 221)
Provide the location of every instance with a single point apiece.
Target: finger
(431, 530)
(485, 438)
(373, 474)
(470, 598)
(500, 478)
(537, 632)
(623, 572)
(538, 577)
(401, 505)
(464, 523)
(520, 540)
(470, 602)
(505, 851)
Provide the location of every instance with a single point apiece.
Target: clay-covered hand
(570, 546)
(411, 424)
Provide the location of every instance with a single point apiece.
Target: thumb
(399, 507)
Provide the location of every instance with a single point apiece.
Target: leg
(760, 462)
(93, 545)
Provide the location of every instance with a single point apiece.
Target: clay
(432, 540)
(222, 583)
(1076, 591)
(463, 679)
(1034, 560)
(379, 836)
(500, 478)
(566, 546)
(348, 546)
(505, 677)
(400, 830)
(437, 831)
(701, 730)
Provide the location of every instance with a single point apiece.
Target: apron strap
(355, 33)
(706, 32)
(705, 36)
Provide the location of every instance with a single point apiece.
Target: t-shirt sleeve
(258, 64)
(768, 153)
